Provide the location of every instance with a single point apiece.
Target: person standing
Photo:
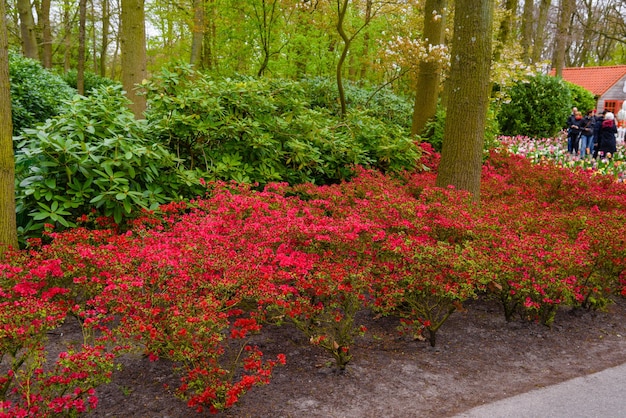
(606, 136)
(586, 142)
(574, 133)
(596, 134)
(571, 118)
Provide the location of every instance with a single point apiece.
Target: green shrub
(433, 132)
(582, 98)
(93, 159)
(36, 94)
(92, 80)
(538, 107)
(258, 130)
(381, 104)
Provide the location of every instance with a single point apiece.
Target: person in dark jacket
(586, 140)
(596, 133)
(606, 136)
(571, 118)
(574, 133)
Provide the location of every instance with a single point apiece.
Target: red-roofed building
(607, 83)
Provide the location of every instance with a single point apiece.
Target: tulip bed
(555, 150)
(192, 282)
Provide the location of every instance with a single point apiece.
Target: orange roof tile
(595, 79)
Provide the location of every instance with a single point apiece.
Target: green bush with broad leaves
(378, 103)
(582, 98)
(259, 130)
(93, 159)
(91, 80)
(538, 107)
(36, 93)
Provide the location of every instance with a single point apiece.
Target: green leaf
(40, 216)
(117, 215)
(51, 183)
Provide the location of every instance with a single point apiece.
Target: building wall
(614, 97)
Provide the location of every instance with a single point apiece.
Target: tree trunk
(589, 23)
(80, 73)
(265, 16)
(197, 31)
(46, 34)
(27, 29)
(133, 37)
(67, 25)
(528, 20)
(365, 58)
(94, 37)
(463, 138)
(506, 28)
(106, 24)
(8, 226)
(540, 33)
(342, 7)
(429, 76)
(562, 35)
(209, 60)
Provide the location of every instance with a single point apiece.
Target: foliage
(257, 130)
(538, 107)
(433, 131)
(36, 93)
(582, 98)
(92, 159)
(92, 80)
(424, 262)
(381, 104)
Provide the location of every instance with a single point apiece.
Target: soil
(479, 358)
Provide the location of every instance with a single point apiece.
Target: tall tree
(198, 29)
(526, 39)
(507, 26)
(27, 29)
(566, 10)
(209, 42)
(104, 45)
(365, 61)
(8, 225)
(464, 132)
(133, 38)
(267, 14)
(43, 14)
(342, 15)
(342, 10)
(429, 76)
(70, 14)
(541, 30)
(82, 21)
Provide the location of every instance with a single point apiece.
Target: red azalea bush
(192, 282)
(30, 307)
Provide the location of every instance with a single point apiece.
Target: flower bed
(191, 283)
